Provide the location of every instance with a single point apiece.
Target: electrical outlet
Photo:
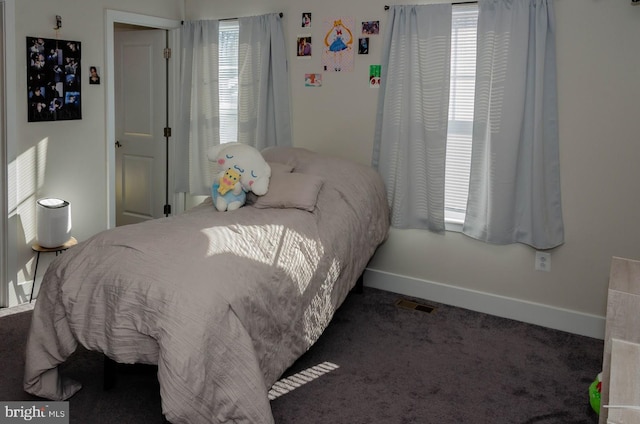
(543, 261)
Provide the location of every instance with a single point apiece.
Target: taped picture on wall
(94, 75)
(374, 76)
(306, 20)
(363, 45)
(371, 27)
(304, 46)
(313, 80)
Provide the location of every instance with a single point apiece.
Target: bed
(222, 302)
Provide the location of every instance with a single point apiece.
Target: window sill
(453, 225)
(454, 220)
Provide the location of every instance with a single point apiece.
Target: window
(228, 80)
(461, 98)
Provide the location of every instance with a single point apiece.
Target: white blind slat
(461, 99)
(228, 80)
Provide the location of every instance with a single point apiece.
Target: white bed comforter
(222, 302)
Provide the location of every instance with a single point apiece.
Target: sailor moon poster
(338, 51)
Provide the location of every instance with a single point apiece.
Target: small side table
(39, 249)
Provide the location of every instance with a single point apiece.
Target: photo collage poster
(53, 79)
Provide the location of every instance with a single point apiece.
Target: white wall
(599, 92)
(65, 159)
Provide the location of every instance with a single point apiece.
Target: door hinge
(167, 209)
(167, 131)
(167, 53)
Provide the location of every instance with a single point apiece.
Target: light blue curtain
(264, 117)
(199, 124)
(514, 194)
(411, 123)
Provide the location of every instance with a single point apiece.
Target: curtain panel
(263, 95)
(264, 117)
(514, 193)
(411, 122)
(199, 122)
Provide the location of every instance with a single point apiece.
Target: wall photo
(94, 75)
(363, 45)
(306, 20)
(304, 46)
(313, 80)
(53, 79)
(371, 27)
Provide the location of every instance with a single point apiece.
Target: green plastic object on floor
(594, 393)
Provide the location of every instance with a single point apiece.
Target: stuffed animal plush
(227, 198)
(238, 160)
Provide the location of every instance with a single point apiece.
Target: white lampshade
(54, 222)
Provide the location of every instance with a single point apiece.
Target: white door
(140, 107)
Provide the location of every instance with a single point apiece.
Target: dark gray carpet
(395, 366)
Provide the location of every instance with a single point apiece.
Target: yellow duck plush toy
(228, 181)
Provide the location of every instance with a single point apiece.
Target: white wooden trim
(8, 231)
(112, 17)
(502, 306)
(142, 20)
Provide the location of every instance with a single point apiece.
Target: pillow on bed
(279, 168)
(290, 190)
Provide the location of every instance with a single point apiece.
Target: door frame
(8, 147)
(172, 26)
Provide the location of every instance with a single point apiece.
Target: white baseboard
(506, 307)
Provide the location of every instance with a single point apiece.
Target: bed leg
(359, 287)
(109, 373)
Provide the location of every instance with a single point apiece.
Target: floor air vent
(410, 304)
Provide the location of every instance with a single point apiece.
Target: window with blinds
(228, 80)
(461, 98)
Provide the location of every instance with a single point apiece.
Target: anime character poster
(338, 53)
(53, 79)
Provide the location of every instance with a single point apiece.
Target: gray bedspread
(222, 302)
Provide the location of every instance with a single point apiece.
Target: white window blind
(228, 80)
(461, 98)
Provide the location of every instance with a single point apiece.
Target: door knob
(118, 145)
